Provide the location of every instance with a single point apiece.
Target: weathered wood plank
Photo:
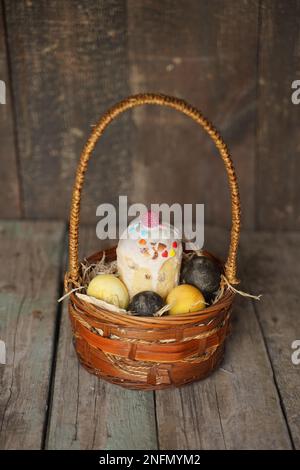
(10, 205)
(30, 259)
(69, 63)
(238, 406)
(88, 413)
(278, 143)
(195, 50)
(272, 268)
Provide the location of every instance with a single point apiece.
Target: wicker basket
(157, 352)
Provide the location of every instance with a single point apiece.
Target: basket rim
(97, 312)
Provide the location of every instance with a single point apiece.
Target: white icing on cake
(143, 254)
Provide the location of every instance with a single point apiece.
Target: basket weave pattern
(150, 352)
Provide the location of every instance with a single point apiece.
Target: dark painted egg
(145, 303)
(202, 273)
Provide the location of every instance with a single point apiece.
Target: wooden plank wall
(10, 199)
(68, 62)
(65, 62)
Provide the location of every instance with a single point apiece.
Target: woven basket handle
(107, 118)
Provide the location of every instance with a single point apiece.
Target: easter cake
(149, 256)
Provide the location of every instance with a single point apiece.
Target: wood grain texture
(278, 142)
(66, 62)
(244, 405)
(272, 268)
(30, 258)
(204, 52)
(88, 413)
(10, 199)
(238, 406)
(69, 63)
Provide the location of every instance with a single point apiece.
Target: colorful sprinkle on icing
(164, 254)
(142, 241)
(133, 228)
(144, 233)
(145, 252)
(172, 252)
(174, 244)
(161, 247)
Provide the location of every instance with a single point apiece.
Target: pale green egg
(109, 288)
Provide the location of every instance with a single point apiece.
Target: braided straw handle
(107, 118)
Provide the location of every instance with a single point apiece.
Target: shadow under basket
(149, 353)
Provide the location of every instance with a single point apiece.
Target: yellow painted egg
(109, 288)
(185, 299)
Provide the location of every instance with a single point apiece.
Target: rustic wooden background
(66, 61)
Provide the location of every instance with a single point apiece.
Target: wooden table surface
(49, 401)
